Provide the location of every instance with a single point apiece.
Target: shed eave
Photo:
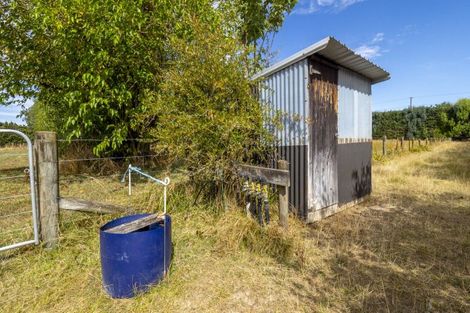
(337, 52)
(302, 54)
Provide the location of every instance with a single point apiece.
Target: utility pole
(411, 103)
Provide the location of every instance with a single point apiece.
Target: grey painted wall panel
(354, 171)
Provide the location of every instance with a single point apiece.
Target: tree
(91, 65)
(255, 21)
(259, 18)
(457, 120)
(207, 115)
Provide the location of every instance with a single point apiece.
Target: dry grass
(393, 148)
(405, 250)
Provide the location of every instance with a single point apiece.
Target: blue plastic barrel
(132, 263)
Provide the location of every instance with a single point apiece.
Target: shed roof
(337, 52)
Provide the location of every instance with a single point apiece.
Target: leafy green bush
(206, 114)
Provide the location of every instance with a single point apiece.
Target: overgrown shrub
(205, 113)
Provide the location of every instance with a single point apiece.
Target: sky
(424, 44)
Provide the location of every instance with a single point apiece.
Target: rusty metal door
(323, 91)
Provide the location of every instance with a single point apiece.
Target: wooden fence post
(48, 186)
(384, 147)
(401, 143)
(283, 197)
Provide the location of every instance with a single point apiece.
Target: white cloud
(368, 52)
(9, 114)
(378, 37)
(312, 6)
(372, 48)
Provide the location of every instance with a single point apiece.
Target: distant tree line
(437, 121)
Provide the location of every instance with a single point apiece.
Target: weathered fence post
(283, 196)
(401, 143)
(384, 147)
(419, 142)
(48, 186)
(412, 143)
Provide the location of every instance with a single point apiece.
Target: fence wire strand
(15, 196)
(17, 230)
(12, 177)
(13, 154)
(15, 214)
(109, 158)
(100, 140)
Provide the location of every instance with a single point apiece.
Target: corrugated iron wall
(354, 106)
(286, 94)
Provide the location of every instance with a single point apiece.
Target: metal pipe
(246, 191)
(17, 245)
(253, 199)
(130, 180)
(165, 183)
(32, 185)
(259, 204)
(266, 204)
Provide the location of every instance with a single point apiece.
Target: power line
(424, 96)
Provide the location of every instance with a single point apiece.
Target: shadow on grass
(409, 255)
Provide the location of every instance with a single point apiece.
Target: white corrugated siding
(354, 106)
(285, 93)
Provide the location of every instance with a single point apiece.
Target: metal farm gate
(15, 219)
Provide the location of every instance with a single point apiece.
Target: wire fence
(15, 196)
(110, 158)
(98, 178)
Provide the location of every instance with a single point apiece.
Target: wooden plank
(136, 224)
(266, 175)
(48, 187)
(283, 197)
(74, 204)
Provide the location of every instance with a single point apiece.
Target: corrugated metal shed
(336, 51)
(322, 95)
